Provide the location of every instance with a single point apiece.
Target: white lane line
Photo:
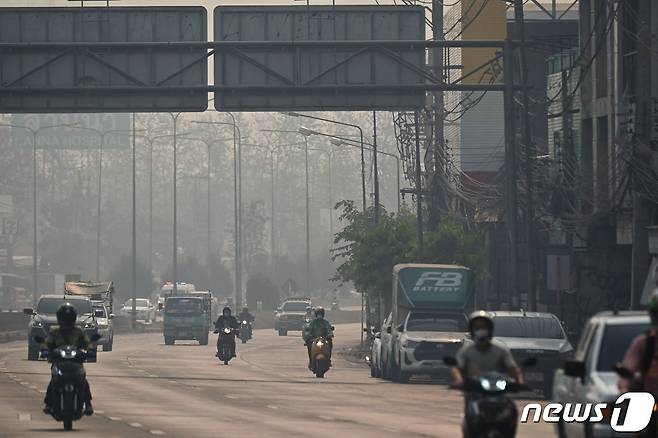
(156, 432)
(99, 412)
(24, 416)
(232, 397)
(172, 381)
(153, 376)
(115, 418)
(136, 425)
(272, 407)
(42, 391)
(33, 387)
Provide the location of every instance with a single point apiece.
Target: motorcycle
(320, 356)
(488, 411)
(226, 344)
(335, 305)
(68, 377)
(245, 331)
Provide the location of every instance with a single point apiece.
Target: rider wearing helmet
(318, 327)
(66, 333)
(246, 316)
(226, 320)
(482, 355)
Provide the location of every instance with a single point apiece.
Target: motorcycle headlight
(320, 344)
(244, 322)
(37, 324)
(485, 384)
(227, 331)
(410, 344)
(501, 384)
(64, 354)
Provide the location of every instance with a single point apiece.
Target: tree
(261, 288)
(121, 275)
(368, 250)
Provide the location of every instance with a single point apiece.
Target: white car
(144, 310)
(105, 326)
(386, 341)
(375, 354)
(589, 377)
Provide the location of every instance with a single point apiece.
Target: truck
(428, 319)
(188, 315)
(101, 295)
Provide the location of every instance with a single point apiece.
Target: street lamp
(237, 193)
(101, 142)
(35, 133)
(336, 122)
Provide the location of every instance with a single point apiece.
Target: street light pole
(35, 133)
(336, 122)
(237, 213)
(174, 118)
(308, 222)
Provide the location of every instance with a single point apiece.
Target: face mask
(481, 336)
(226, 314)
(320, 317)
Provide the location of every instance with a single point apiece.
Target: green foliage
(368, 251)
(261, 288)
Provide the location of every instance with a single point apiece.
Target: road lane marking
(156, 432)
(99, 412)
(233, 397)
(136, 425)
(24, 416)
(115, 418)
(272, 407)
(42, 391)
(153, 376)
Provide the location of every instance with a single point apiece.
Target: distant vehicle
(97, 291)
(589, 377)
(186, 317)
(290, 315)
(531, 334)
(144, 310)
(105, 326)
(428, 321)
(385, 349)
(44, 317)
(375, 354)
(168, 288)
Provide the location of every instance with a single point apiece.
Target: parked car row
(419, 343)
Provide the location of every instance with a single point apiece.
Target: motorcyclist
(318, 327)
(483, 355)
(246, 316)
(640, 359)
(226, 320)
(309, 313)
(67, 334)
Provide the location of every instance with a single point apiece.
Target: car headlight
(408, 343)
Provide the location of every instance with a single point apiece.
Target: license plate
(534, 377)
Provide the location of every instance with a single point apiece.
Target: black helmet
(225, 309)
(319, 311)
(652, 306)
(66, 316)
(480, 315)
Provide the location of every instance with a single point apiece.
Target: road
(144, 388)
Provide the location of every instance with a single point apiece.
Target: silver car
(105, 326)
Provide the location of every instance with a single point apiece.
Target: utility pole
(375, 166)
(511, 208)
(134, 230)
(438, 135)
(419, 191)
(529, 150)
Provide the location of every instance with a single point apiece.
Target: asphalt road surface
(144, 388)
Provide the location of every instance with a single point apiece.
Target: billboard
(482, 20)
(433, 286)
(304, 77)
(70, 137)
(54, 75)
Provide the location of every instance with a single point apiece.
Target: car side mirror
(333, 328)
(388, 329)
(28, 311)
(574, 368)
(111, 316)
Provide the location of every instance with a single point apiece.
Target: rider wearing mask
(246, 316)
(319, 327)
(482, 355)
(641, 360)
(67, 334)
(226, 320)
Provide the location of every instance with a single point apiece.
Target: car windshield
(527, 327)
(616, 339)
(295, 306)
(139, 302)
(428, 322)
(182, 305)
(49, 306)
(100, 312)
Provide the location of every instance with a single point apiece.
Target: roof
(87, 287)
(401, 266)
(66, 297)
(622, 317)
(520, 313)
